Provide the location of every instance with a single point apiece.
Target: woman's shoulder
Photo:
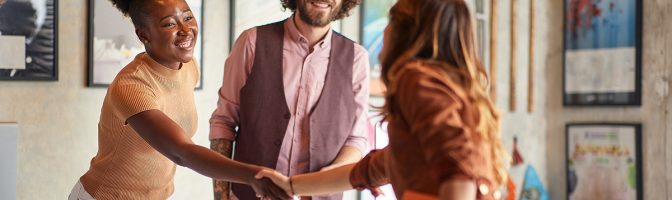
(418, 78)
(132, 73)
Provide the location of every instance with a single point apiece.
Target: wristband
(291, 187)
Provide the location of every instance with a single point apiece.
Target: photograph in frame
(113, 43)
(29, 28)
(604, 161)
(602, 52)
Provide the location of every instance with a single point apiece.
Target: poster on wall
(602, 52)
(374, 21)
(604, 161)
(251, 13)
(28, 34)
(113, 42)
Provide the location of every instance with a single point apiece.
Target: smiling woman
(154, 95)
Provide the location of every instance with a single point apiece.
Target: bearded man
(297, 92)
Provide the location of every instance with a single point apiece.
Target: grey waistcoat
(264, 115)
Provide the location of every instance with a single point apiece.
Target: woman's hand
(278, 179)
(267, 188)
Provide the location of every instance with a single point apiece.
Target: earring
(145, 41)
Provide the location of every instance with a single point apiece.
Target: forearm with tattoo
(224, 147)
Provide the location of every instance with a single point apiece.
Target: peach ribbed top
(126, 167)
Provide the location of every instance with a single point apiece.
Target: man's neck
(311, 33)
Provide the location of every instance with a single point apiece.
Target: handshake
(270, 184)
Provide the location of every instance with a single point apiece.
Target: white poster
(12, 52)
(602, 162)
(600, 70)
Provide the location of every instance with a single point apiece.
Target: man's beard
(318, 19)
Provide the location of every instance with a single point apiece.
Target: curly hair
(135, 9)
(346, 6)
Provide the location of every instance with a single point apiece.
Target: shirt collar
(295, 35)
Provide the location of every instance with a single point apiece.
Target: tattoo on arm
(224, 147)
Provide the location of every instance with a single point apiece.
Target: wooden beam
(493, 50)
(530, 80)
(514, 54)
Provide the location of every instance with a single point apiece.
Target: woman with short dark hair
(149, 115)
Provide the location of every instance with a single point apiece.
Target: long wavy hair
(440, 34)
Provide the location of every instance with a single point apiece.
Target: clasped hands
(272, 185)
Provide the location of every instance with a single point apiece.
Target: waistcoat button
(287, 116)
(278, 142)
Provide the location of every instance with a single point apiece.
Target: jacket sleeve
(433, 110)
(370, 172)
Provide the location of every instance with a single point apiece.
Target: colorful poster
(603, 162)
(601, 52)
(114, 44)
(374, 21)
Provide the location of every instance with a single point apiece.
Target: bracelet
(291, 187)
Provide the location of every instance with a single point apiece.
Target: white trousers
(78, 193)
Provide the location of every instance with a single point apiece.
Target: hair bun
(123, 5)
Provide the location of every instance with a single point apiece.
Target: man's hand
(280, 180)
(267, 189)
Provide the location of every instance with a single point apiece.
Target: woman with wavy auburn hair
(443, 128)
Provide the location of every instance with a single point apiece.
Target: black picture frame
(91, 50)
(617, 97)
(41, 43)
(597, 132)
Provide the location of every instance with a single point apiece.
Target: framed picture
(113, 43)
(29, 38)
(251, 13)
(602, 52)
(374, 19)
(604, 161)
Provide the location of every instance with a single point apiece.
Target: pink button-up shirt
(303, 77)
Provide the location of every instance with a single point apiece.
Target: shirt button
(314, 148)
(278, 143)
(484, 189)
(292, 167)
(312, 120)
(287, 116)
(296, 139)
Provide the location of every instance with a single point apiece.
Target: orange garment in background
(511, 187)
(432, 139)
(126, 167)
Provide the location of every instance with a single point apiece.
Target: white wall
(58, 133)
